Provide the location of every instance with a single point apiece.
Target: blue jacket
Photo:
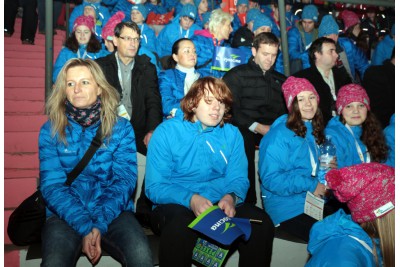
(124, 6)
(296, 46)
(103, 17)
(205, 49)
(236, 23)
(183, 159)
(170, 33)
(148, 37)
(285, 170)
(331, 245)
(390, 140)
(156, 9)
(171, 83)
(383, 50)
(346, 151)
(66, 54)
(103, 189)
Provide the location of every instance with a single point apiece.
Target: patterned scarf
(86, 116)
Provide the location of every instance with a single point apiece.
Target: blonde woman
(95, 213)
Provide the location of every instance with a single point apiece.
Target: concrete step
(18, 123)
(18, 62)
(21, 142)
(19, 82)
(23, 107)
(36, 94)
(21, 161)
(39, 42)
(24, 72)
(16, 190)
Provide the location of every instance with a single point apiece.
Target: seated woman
(176, 81)
(81, 44)
(96, 211)
(196, 160)
(205, 41)
(289, 159)
(356, 132)
(366, 238)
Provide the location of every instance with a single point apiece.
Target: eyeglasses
(130, 39)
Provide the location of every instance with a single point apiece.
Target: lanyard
(216, 42)
(187, 32)
(359, 151)
(312, 160)
(78, 53)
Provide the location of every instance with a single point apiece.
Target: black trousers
(178, 240)
(251, 140)
(29, 18)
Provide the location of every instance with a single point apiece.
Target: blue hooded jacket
(124, 6)
(390, 140)
(346, 151)
(66, 54)
(148, 37)
(285, 170)
(184, 159)
(102, 190)
(331, 245)
(383, 50)
(171, 83)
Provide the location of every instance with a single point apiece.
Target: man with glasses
(135, 78)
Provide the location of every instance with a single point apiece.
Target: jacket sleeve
(115, 197)
(64, 55)
(152, 98)
(279, 173)
(151, 39)
(359, 59)
(167, 86)
(159, 167)
(58, 197)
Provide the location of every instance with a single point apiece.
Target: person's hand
(199, 204)
(320, 191)
(262, 129)
(91, 245)
(227, 204)
(147, 137)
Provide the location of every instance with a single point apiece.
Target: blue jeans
(125, 241)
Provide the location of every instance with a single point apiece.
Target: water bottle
(327, 153)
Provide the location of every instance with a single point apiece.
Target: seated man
(196, 160)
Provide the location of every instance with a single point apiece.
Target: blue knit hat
(142, 9)
(252, 14)
(96, 7)
(310, 12)
(188, 10)
(328, 26)
(240, 2)
(260, 21)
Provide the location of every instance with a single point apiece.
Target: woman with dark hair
(178, 78)
(356, 132)
(81, 44)
(288, 161)
(196, 160)
(96, 212)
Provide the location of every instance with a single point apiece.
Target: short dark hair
(129, 24)
(265, 38)
(316, 47)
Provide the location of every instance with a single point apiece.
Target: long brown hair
(296, 124)
(373, 138)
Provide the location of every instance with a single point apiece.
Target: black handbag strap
(96, 143)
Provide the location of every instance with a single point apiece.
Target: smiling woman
(81, 44)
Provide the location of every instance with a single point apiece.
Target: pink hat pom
(108, 30)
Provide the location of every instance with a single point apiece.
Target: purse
(26, 222)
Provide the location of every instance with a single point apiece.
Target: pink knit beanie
(294, 86)
(349, 19)
(368, 189)
(88, 21)
(108, 30)
(351, 93)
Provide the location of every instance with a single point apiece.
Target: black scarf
(85, 116)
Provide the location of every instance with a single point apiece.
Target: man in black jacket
(324, 75)
(136, 80)
(258, 98)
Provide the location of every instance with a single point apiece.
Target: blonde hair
(55, 105)
(383, 229)
(217, 18)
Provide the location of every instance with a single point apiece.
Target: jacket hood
(334, 226)
(279, 121)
